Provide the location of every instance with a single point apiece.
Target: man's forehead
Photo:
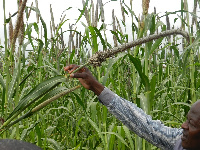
(195, 106)
(194, 112)
(197, 102)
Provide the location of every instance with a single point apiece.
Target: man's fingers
(74, 68)
(66, 68)
(78, 75)
(71, 68)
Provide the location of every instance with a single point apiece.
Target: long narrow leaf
(101, 38)
(82, 11)
(128, 134)
(38, 91)
(118, 136)
(3, 93)
(2, 82)
(51, 94)
(43, 24)
(94, 125)
(94, 39)
(138, 67)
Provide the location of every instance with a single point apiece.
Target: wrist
(97, 88)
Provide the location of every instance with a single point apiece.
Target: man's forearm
(97, 88)
(136, 120)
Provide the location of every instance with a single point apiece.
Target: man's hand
(86, 78)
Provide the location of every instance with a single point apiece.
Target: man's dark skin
(191, 127)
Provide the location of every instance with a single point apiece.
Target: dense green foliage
(162, 77)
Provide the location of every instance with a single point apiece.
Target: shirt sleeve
(136, 120)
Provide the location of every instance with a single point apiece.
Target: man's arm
(136, 120)
(128, 113)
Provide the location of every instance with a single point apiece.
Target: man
(166, 138)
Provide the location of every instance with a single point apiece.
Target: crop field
(158, 69)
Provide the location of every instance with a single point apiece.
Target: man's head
(191, 128)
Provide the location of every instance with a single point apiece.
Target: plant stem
(7, 62)
(45, 103)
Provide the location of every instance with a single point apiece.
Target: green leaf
(111, 138)
(37, 92)
(82, 11)
(128, 135)
(36, 27)
(124, 10)
(38, 131)
(152, 24)
(87, 34)
(176, 51)
(71, 56)
(25, 78)
(101, 38)
(138, 66)
(110, 65)
(56, 145)
(118, 136)
(2, 82)
(59, 27)
(28, 32)
(116, 35)
(155, 45)
(93, 112)
(94, 125)
(3, 93)
(159, 24)
(182, 103)
(121, 132)
(51, 67)
(8, 19)
(153, 87)
(131, 11)
(40, 47)
(51, 94)
(49, 130)
(94, 39)
(79, 100)
(144, 103)
(25, 131)
(43, 24)
(12, 84)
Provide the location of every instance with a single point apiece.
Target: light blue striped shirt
(142, 124)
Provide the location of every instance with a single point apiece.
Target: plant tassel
(100, 57)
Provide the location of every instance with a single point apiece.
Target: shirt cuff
(106, 96)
